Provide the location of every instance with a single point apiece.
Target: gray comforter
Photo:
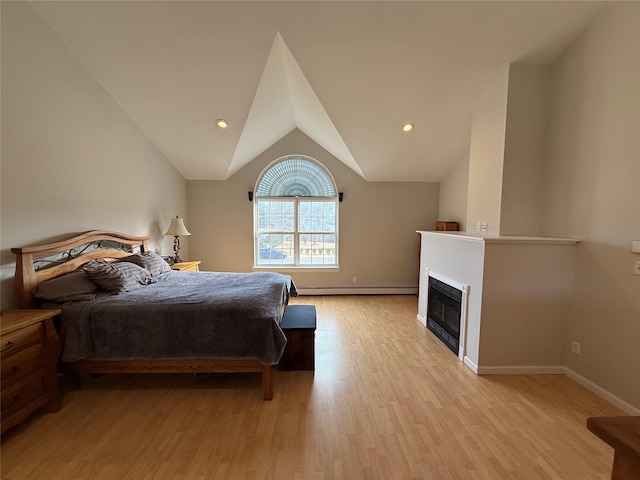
(182, 315)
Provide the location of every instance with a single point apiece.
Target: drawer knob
(8, 346)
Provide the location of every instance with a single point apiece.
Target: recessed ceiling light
(407, 127)
(222, 123)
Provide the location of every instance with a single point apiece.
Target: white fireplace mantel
(517, 292)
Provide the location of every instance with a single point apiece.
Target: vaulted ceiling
(347, 74)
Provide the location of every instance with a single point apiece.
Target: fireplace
(444, 312)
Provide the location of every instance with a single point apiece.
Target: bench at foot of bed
(299, 325)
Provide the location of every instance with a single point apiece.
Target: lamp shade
(177, 228)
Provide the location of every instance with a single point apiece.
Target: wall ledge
(504, 239)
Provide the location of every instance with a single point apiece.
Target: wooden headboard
(27, 277)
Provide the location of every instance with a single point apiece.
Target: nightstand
(187, 266)
(30, 351)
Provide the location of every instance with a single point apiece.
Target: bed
(169, 321)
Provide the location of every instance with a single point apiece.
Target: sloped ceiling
(347, 74)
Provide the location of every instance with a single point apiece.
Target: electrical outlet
(355, 280)
(575, 347)
(484, 227)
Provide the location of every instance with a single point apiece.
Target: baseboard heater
(360, 290)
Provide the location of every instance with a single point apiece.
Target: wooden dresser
(30, 351)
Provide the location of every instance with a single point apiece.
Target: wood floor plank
(387, 401)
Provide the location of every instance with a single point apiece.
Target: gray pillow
(72, 287)
(117, 277)
(149, 260)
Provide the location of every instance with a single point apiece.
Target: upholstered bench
(299, 325)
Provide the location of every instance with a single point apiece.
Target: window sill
(293, 268)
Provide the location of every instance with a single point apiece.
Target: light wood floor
(387, 401)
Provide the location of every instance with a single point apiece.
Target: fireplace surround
(444, 308)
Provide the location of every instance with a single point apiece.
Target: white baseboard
(601, 392)
(522, 370)
(555, 370)
(422, 319)
(471, 365)
(364, 290)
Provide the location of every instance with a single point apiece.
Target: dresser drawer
(22, 393)
(20, 339)
(21, 364)
(30, 348)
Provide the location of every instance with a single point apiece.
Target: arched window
(296, 214)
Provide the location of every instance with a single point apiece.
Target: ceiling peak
(285, 100)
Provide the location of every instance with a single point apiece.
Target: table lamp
(177, 229)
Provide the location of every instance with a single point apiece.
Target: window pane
(275, 216)
(317, 217)
(275, 249)
(317, 249)
(288, 208)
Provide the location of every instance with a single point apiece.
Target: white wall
(452, 205)
(525, 138)
(508, 135)
(72, 160)
(378, 222)
(486, 155)
(592, 180)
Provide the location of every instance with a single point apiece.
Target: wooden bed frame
(27, 278)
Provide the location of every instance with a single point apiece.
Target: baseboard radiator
(360, 290)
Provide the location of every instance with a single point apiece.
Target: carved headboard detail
(72, 253)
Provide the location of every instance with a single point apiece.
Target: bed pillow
(149, 260)
(71, 287)
(117, 277)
